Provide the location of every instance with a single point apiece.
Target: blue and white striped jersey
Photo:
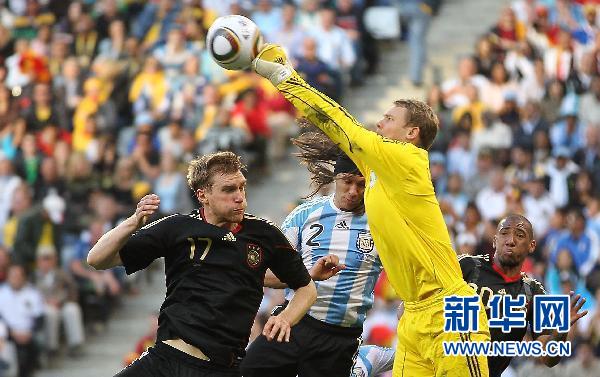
(372, 361)
(318, 228)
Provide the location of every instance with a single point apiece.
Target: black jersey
(480, 274)
(214, 277)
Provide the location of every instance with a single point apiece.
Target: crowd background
(104, 101)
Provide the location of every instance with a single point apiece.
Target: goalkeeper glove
(272, 64)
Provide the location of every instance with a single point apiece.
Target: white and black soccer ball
(233, 41)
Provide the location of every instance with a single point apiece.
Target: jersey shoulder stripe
(534, 283)
(159, 221)
(300, 213)
(468, 256)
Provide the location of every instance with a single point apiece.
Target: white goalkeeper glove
(272, 64)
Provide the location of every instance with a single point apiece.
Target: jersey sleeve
(467, 265)
(366, 148)
(146, 245)
(286, 263)
(292, 228)
(536, 289)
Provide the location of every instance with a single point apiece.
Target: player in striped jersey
(327, 341)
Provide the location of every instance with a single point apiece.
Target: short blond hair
(203, 168)
(421, 115)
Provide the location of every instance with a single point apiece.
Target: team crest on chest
(254, 255)
(364, 242)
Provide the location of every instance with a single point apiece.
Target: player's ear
(201, 196)
(532, 246)
(414, 133)
(495, 239)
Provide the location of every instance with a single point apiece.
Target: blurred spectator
(491, 200)
(581, 243)
(4, 263)
(417, 13)
(585, 364)
(315, 71)
(290, 35)
(538, 206)
(498, 87)
(174, 53)
(8, 353)
(251, 110)
(86, 40)
(39, 228)
(48, 180)
(42, 111)
(171, 186)
(455, 90)
(22, 309)
(568, 133)
(9, 182)
(552, 101)
(60, 302)
(224, 135)
(461, 159)
(97, 289)
(559, 169)
(334, 47)
(531, 122)
(267, 18)
(589, 106)
(454, 200)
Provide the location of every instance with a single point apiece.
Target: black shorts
(315, 349)
(163, 360)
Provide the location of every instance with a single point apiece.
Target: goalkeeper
(403, 213)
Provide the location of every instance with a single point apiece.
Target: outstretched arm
(364, 147)
(105, 253)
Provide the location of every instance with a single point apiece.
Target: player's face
(513, 243)
(225, 200)
(349, 191)
(394, 125)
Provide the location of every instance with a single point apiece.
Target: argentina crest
(364, 242)
(253, 255)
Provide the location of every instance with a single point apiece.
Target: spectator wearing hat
(559, 169)
(60, 303)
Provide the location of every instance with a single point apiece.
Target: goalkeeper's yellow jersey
(403, 213)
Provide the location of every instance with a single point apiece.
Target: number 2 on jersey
(193, 247)
(311, 240)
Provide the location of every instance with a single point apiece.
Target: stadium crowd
(104, 101)
(520, 133)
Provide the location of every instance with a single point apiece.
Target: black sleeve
(146, 245)
(286, 263)
(536, 289)
(467, 264)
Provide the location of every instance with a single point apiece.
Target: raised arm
(105, 253)
(364, 147)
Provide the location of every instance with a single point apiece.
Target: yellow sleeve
(366, 148)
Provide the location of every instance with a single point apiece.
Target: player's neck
(507, 271)
(210, 218)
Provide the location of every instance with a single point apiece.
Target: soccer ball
(233, 41)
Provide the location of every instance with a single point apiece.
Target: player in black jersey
(215, 263)
(513, 242)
